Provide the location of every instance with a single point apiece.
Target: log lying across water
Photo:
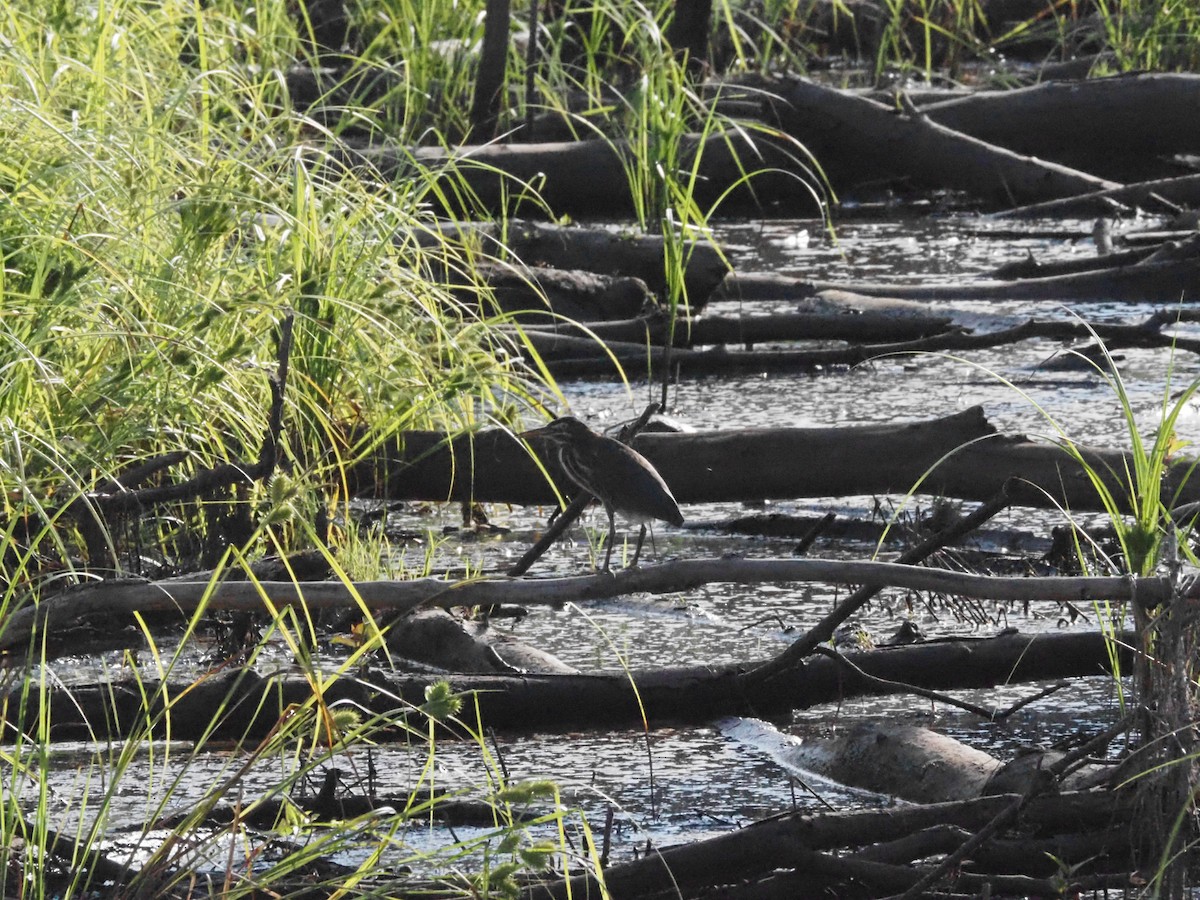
(1098, 124)
(960, 456)
(1168, 273)
(593, 177)
(857, 139)
(540, 245)
(244, 705)
(784, 851)
(99, 610)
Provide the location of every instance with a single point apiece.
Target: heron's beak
(532, 433)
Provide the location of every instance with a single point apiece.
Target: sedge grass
(161, 211)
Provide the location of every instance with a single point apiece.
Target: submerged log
(538, 294)
(793, 841)
(579, 357)
(1182, 191)
(910, 762)
(1173, 278)
(858, 327)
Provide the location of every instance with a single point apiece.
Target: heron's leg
(612, 534)
(638, 550)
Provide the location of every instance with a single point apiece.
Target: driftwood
(856, 140)
(113, 604)
(539, 294)
(958, 456)
(1168, 193)
(1109, 126)
(1134, 276)
(1172, 277)
(794, 841)
(620, 253)
(862, 327)
(904, 761)
(528, 179)
(566, 355)
(244, 705)
(436, 638)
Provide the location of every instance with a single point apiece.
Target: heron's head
(563, 431)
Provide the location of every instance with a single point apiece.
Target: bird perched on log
(618, 476)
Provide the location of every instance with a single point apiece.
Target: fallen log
(1105, 125)
(578, 357)
(1148, 281)
(537, 294)
(542, 179)
(243, 705)
(908, 762)
(602, 250)
(862, 327)
(793, 840)
(1182, 191)
(106, 606)
(958, 456)
(858, 140)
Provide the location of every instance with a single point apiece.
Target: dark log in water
(1103, 125)
(958, 456)
(1183, 191)
(859, 140)
(602, 250)
(244, 705)
(793, 842)
(592, 177)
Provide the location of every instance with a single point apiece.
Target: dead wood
(825, 628)
(858, 140)
(1111, 126)
(796, 840)
(1172, 277)
(621, 253)
(240, 704)
(109, 607)
(865, 327)
(529, 179)
(538, 294)
(436, 638)
(918, 764)
(1158, 195)
(566, 355)
(968, 459)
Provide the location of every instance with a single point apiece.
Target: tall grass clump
(163, 210)
(1145, 34)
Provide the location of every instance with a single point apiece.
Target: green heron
(618, 476)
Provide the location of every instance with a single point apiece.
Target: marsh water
(681, 784)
